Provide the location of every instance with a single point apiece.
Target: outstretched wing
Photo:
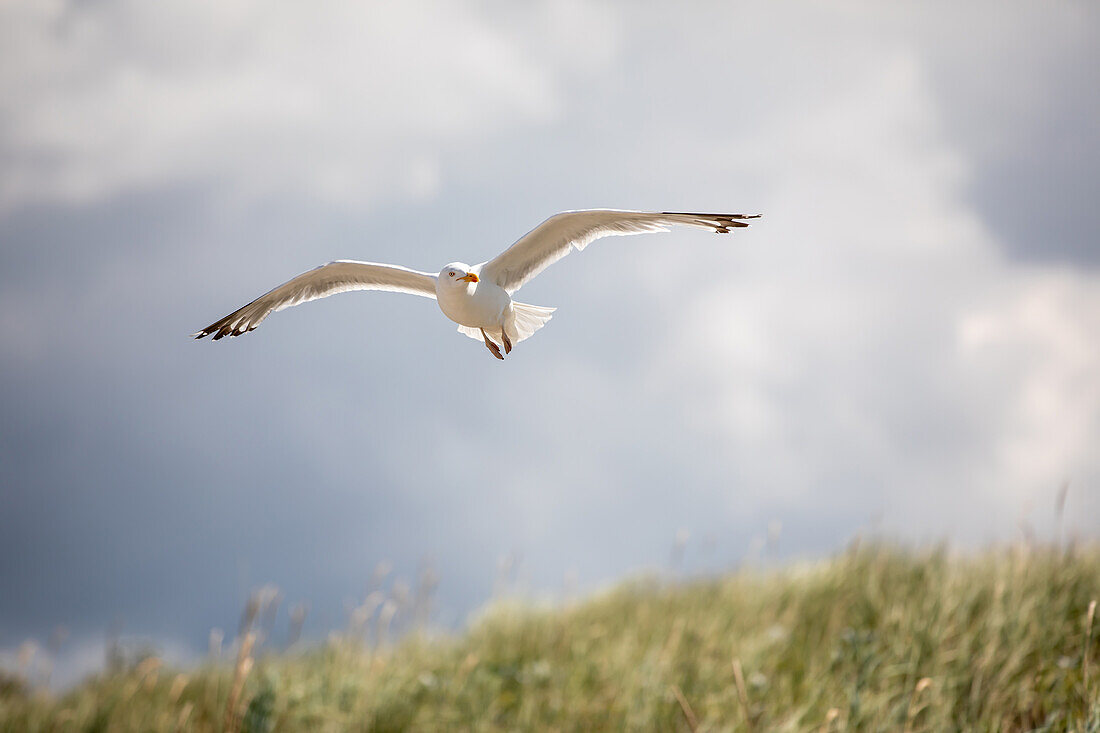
(560, 234)
(335, 277)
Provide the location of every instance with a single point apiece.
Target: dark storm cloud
(1016, 94)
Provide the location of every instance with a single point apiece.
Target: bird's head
(458, 275)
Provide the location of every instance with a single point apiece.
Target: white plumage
(478, 298)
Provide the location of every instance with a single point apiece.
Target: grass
(874, 639)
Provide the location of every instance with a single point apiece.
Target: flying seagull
(478, 298)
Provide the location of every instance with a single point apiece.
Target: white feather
(562, 233)
(340, 276)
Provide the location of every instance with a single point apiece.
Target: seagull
(478, 298)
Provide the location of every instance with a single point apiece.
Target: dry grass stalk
(742, 691)
(922, 684)
(148, 670)
(1088, 644)
(179, 684)
(672, 642)
(464, 669)
(1060, 510)
(689, 714)
(184, 716)
(830, 716)
(382, 627)
(244, 665)
(297, 621)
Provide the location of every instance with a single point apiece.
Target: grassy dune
(874, 639)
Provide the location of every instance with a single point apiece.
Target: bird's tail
(525, 320)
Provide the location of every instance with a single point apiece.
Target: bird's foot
(491, 346)
(507, 341)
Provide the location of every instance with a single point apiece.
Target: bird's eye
(451, 274)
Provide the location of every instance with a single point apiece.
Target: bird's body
(478, 298)
(474, 304)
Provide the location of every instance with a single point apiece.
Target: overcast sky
(905, 344)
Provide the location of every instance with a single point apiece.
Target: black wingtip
(724, 221)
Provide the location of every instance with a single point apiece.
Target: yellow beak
(470, 278)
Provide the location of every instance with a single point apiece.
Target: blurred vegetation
(874, 639)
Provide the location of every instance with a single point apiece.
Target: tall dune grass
(874, 639)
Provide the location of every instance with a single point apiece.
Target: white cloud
(883, 355)
(334, 101)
